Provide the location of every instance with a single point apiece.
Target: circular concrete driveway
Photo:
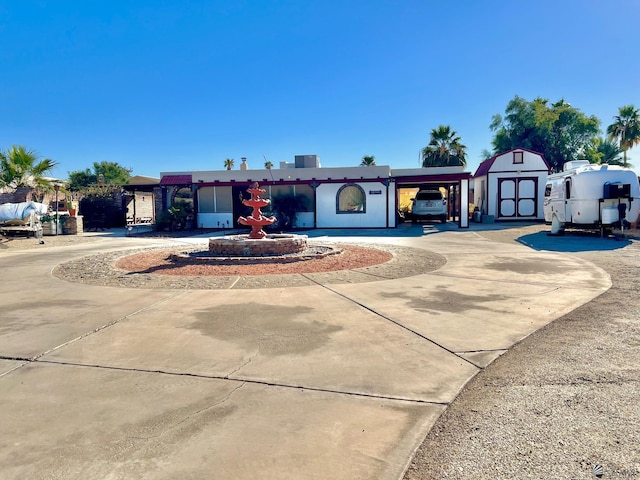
(330, 380)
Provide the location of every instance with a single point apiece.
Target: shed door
(517, 198)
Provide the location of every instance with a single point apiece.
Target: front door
(517, 198)
(568, 217)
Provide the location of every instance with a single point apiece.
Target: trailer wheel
(556, 226)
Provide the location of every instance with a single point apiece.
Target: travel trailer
(591, 196)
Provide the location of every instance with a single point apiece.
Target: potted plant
(71, 208)
(52, 223)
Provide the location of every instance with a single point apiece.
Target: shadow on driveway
(577, 241)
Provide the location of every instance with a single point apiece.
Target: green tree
(81, 179)
(626, 129)
(229, 163)
(112, 173)
(109, 173)
(368, 161)
(268, 165)
(485, 154)
(559, 131)
(20, 167)
(445, 149)
(603, 150)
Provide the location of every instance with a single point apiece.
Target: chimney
(243, 165)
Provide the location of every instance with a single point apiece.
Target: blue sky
(182, 85)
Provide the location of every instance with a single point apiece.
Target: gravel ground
(557, 404)
(145, 268)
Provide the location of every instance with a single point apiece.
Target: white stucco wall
(376, 207)
(215, 220)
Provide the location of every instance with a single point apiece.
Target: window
(306, 192)
(215, 200)
(518, 157)
(280, 191)
(351, 199)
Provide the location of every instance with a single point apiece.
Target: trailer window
(567, 189)
(547, 190)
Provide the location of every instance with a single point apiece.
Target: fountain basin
(269, 246)
(214, 257)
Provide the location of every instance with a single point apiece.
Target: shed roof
(485, 165)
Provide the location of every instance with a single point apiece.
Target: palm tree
(268, 165)
(368, 161)
(444, 149)
(228, 163)
(610, 152)
(626, 129)
(20, 167)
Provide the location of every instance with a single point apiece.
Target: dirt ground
(559, 403)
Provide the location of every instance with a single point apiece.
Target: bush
(103, 206)
(177, 217)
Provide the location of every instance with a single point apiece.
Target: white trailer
(591, 196)
(22, 217)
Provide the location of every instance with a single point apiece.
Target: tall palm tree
(626, 129)
(20, 167)
(368, 161)
(228, 163)
(445, 149)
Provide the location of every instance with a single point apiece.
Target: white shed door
(517, 197)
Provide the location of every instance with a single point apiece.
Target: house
(510, 185)
(340, 197)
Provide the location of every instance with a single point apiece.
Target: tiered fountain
(258, 243)
(256, 220)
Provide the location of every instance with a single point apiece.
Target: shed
(510, 185)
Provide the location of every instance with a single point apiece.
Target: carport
(454, 180)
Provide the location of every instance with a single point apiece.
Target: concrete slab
(77, 423)
(307, 337)
(466, 314)
(522, 265)
(7, 366)
(34, 322)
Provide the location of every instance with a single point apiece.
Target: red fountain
(256, 220)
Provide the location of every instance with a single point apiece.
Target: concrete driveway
(337, 381)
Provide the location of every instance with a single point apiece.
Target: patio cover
(176, 180)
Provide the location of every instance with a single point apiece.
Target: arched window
(351, 199)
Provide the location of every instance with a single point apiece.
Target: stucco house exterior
(341, 197)
(510, 185)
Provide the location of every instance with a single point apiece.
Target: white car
(429, 204)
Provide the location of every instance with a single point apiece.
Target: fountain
(259, 246)
(256, 220)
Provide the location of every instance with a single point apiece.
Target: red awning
(176, 180)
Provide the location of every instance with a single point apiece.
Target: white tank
(609, 215)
